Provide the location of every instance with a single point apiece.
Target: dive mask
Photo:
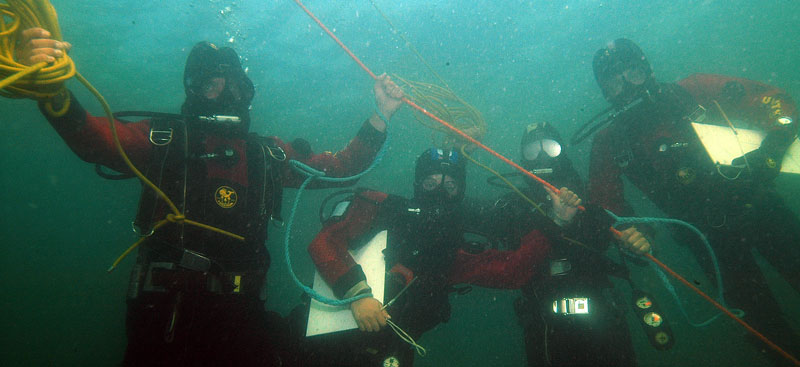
(532, 150)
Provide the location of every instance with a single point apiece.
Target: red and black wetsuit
(655, 147)
(425, 244)
(575, 268)
(195, 295)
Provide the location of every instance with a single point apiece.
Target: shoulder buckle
(161, 137)
(276, 153)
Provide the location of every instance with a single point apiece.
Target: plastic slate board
(323, 318)
(722, 146)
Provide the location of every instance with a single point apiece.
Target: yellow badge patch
(226, 197)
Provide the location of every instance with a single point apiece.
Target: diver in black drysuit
(599, 337)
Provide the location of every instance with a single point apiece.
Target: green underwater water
(61, 226)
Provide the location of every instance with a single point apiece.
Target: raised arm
(88, 136)
(362, 149)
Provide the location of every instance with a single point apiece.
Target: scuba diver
(568, 312)
(426, 256)
(197, 297)
(650, 140)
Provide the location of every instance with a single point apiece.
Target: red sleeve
(606, 188)
(351, 160)
(91, 139)
(758, 102)
(329, 249)
(96, 143)
(501, 269)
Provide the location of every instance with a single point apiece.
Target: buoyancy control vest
(229, 182)
(424, 240)
(657, 149)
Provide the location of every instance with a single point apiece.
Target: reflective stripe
(571, 306)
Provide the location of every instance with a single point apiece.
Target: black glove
(761, 166)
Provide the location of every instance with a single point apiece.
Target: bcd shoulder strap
(166, 134)
(273, 158)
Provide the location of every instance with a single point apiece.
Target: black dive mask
(623, 72)
(207, 67)
(446, 163)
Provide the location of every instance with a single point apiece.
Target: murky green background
(61, 226)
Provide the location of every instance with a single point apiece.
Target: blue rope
(665, 279)
(674, 293)
(313, 174)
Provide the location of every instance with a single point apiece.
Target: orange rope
(424, 111)
(551, 187)
(324, 28)
(724, 310)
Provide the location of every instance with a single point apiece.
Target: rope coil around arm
(43, 81)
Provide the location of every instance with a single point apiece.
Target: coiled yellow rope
(39, 81)
(441, 101)
(445, 103)
(43, 81)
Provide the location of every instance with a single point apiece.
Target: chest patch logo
(226, 197)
